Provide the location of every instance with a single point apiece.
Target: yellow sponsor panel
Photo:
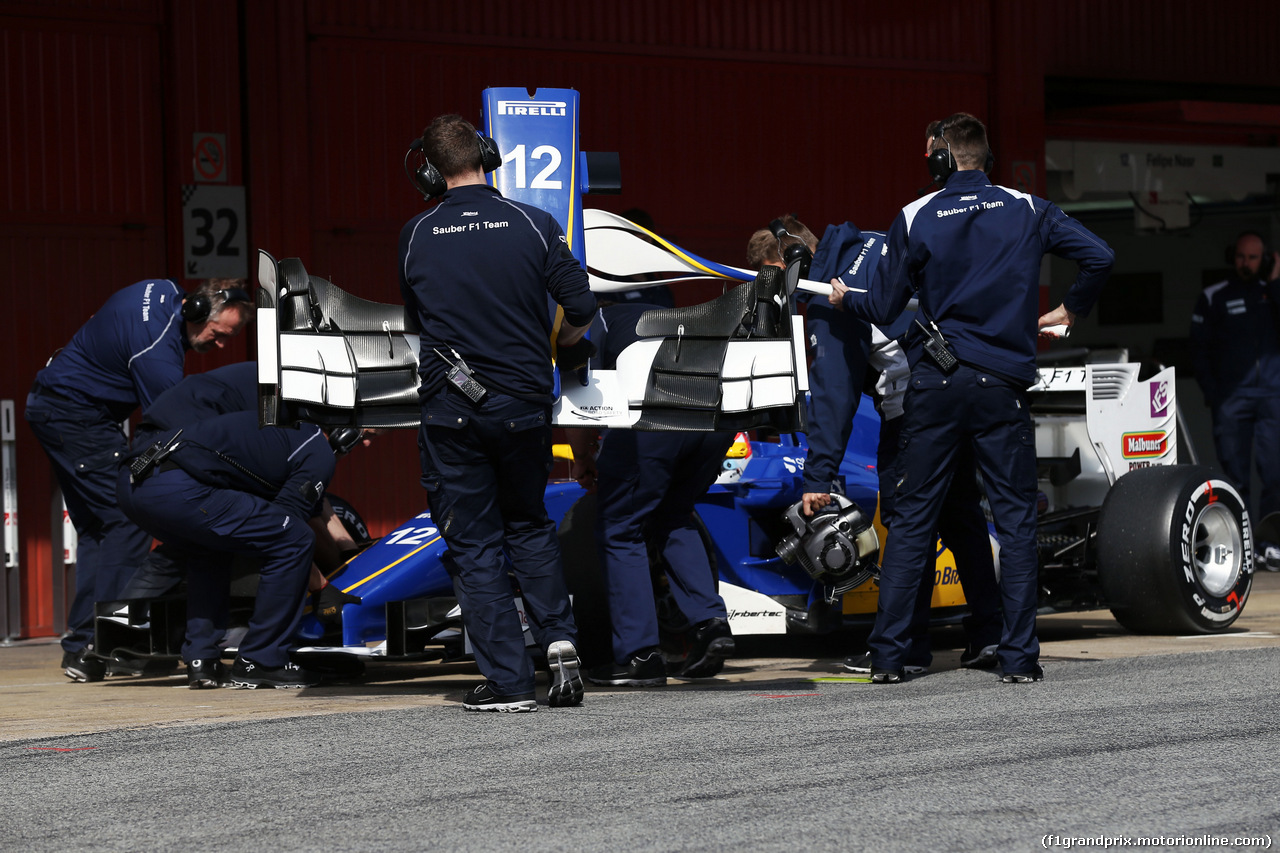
(946, 582)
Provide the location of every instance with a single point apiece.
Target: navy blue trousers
(994, 418)
(963, 529)
(85, 446)
(647, 484)
(1246, 422)
(485, 470)
(839, 343)
(206, 525)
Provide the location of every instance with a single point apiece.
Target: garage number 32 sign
(213, 215)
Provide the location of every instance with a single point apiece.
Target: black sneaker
(983, 658)
(247, 674)
(712, 643)
(83, 666)
(645, 669)
(862, 663)
(482, 698)
(206, 672)
(1036, 674)
(886, 676)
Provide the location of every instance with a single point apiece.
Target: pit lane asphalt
(1128, 736)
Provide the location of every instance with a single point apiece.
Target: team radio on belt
(729, 475)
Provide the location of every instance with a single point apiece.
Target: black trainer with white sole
(566, 675)
(644, 669)
(887, 676)
(712, 643)
(204, 673)
(245, 674)
(482, 698)
(983, 658)
(862, 663)
(83, 666)
(1023, 677)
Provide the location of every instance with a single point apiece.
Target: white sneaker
(1271, 557)
(566, 675)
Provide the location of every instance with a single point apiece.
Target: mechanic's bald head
(1249, 250)
(451, 145)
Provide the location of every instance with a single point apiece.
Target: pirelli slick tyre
(350, 519)
(1175, 551)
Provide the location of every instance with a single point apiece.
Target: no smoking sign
(209, 160)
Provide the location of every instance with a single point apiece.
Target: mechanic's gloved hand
(575, 356)
(328, 602)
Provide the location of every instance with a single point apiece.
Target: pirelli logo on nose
(532, 108)
(1144, 445)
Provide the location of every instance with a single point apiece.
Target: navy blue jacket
(614, 329)
(127, 354)
(231, 388)
(1235, 338)
(476, 271)
(289, 466)
(973, 252)
(840, 343)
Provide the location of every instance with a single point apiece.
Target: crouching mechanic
(223, 486)
(478, 273)
(646, 486)
(125, 355)
(221, 391)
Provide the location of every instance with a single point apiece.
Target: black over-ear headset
(427, 179)
(796, 257)
(942, 164)
(197, 306)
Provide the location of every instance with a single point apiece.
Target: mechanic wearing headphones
(839, 343)
(129, 352)
(222, 486)
(850, 257)
(971, 252)
(478, 272)
(1235, 336)
(646, 485)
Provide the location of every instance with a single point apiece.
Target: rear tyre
(1175, 551)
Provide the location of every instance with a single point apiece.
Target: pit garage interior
(163, 138)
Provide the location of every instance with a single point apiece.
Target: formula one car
(1167, 547)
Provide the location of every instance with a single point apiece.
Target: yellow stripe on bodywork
(679, 253)
(391, 565)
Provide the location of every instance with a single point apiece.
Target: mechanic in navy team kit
(476, 271)
(222, 486)
(842, 346)
(971, 252)
(646, 486)
(1235, 337)
(199, 397)
(126, 355)
(839, 343)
